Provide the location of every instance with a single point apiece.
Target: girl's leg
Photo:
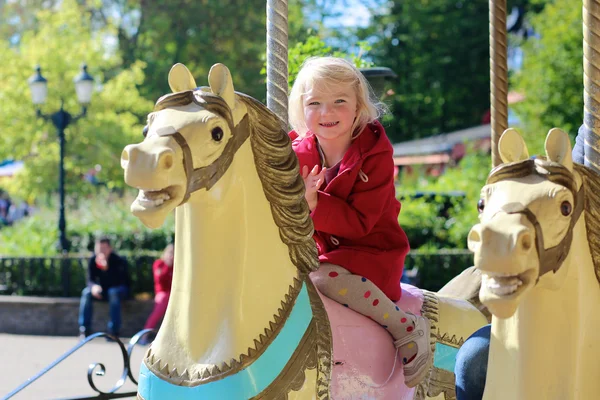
(161, 300)
(364, 297)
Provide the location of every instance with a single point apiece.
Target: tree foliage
(439, 49)
(61, 40)
(197, 33)
(552, 74)
(87, 219)
(316, 47)
(425, 225)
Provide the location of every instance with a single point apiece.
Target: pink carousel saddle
(364, 353)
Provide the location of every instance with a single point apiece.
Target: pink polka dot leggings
(363, 296)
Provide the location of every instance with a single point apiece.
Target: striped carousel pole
(277, 58)
(591, 79)
(498, 75)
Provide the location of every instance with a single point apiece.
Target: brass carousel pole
(498, 75)
(591, 78)
(277, 58)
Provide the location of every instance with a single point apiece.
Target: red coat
(356, 219)
(163, 276)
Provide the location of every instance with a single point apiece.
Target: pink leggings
(160, 308)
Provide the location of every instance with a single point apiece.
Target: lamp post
(84, 85)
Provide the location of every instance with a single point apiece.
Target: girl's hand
(312, 183)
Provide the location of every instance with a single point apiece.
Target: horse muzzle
(505, 253)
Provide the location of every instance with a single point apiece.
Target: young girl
(346, 162)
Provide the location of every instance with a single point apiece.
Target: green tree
(439, 49)
(316, 47)
(423, 221)
(552, 74)
(62, 39)
(197, 33)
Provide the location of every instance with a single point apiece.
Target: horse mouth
(507, 286)
(155, 199)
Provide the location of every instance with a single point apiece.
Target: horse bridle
(206, 177)
(552, 258)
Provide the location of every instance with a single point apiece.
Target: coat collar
(372, 140)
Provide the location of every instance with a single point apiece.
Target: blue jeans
(471, 365)
(114, 295)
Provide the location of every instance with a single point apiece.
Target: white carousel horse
(538, 250)
(244, 321)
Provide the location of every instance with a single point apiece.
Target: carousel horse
(537, 247)
(244, 320)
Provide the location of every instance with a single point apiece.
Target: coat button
(334, 241)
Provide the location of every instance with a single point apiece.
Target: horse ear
(221, 84)
(558, 148)
(181, 79)
(512, 147)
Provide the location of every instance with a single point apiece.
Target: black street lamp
(84, 86)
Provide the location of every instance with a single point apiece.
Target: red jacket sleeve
(354, 218)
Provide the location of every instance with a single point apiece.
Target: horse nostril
(128, 155)
(166, 160)
(525, 241)
(474, 238)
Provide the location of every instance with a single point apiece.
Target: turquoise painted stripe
(445, 357)
(248, 382)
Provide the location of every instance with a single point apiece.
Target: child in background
(347, 165)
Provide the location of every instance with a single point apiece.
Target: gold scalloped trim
(437, 380)
(441, 381)
(292, 377)
(324, 344)
(430, 310)
(214, 372)
(450, 340)
(315, 352)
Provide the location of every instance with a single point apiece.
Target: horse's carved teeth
(153, 197)
(502, 285)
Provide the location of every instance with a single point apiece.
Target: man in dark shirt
(107, 280)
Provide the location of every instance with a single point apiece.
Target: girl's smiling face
(329, 111)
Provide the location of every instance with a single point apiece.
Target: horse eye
(566, 208)
(145, 131)
(217, 134)
(480, 205)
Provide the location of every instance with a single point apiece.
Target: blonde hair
(333, 71)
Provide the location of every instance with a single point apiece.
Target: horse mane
(277, 167)
(591, 181)
(278, 170)
(558, 174)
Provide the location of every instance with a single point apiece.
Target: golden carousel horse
(537, 247)
(244, 320)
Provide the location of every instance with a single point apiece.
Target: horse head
(528, 210)
(190, 140)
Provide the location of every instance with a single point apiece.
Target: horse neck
(548, 348)
(231, 269)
